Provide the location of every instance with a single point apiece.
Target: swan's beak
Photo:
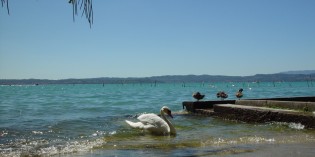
(169, 113)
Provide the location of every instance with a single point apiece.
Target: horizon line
(138, 77)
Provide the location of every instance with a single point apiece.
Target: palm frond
(86, 7)
(5, 2)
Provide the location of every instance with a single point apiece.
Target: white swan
(155, 124)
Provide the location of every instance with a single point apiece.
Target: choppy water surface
(88, 120)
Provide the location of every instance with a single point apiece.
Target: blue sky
(140, 38)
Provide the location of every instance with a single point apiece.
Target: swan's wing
(150, 118)
(154, 123)
(135, 125)
(147, 121)
(140, 125)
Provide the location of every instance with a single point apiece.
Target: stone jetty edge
(293, 109)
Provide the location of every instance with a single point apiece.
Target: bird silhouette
(239, 94)
(198, 96)
(222, 95)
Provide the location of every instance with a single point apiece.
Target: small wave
(291, 125)
(297, 126)
(37, 132)
(72, 147)
(257, 139)
(101, 133)
(241, 140)
(112, 133)
(33, 148)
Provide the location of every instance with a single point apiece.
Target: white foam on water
(297, 126)
(291, 125)
(57, 149)
(112, 133)
(37, 132)
(241, 140)
(257, 139)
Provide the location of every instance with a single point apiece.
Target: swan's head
(166, 110)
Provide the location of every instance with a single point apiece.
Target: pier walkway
(298, 110)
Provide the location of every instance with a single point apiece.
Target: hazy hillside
(305, 72)
(283, 76)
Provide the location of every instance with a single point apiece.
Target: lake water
(89, 120)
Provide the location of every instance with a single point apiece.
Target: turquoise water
(88, 120)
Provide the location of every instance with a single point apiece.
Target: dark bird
(198, 96)
(222, 95)
(219, 94)
(239, 94)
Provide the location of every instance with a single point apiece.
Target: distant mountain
(286, 76)
(305, 72)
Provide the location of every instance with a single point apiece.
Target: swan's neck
(172, 128)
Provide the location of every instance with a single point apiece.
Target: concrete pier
(297, 110)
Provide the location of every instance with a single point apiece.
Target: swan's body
(155, 124)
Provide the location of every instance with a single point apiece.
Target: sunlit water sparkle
(81, 120)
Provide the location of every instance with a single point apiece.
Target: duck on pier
(239, 94)
(198, 96)
(222, 95)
